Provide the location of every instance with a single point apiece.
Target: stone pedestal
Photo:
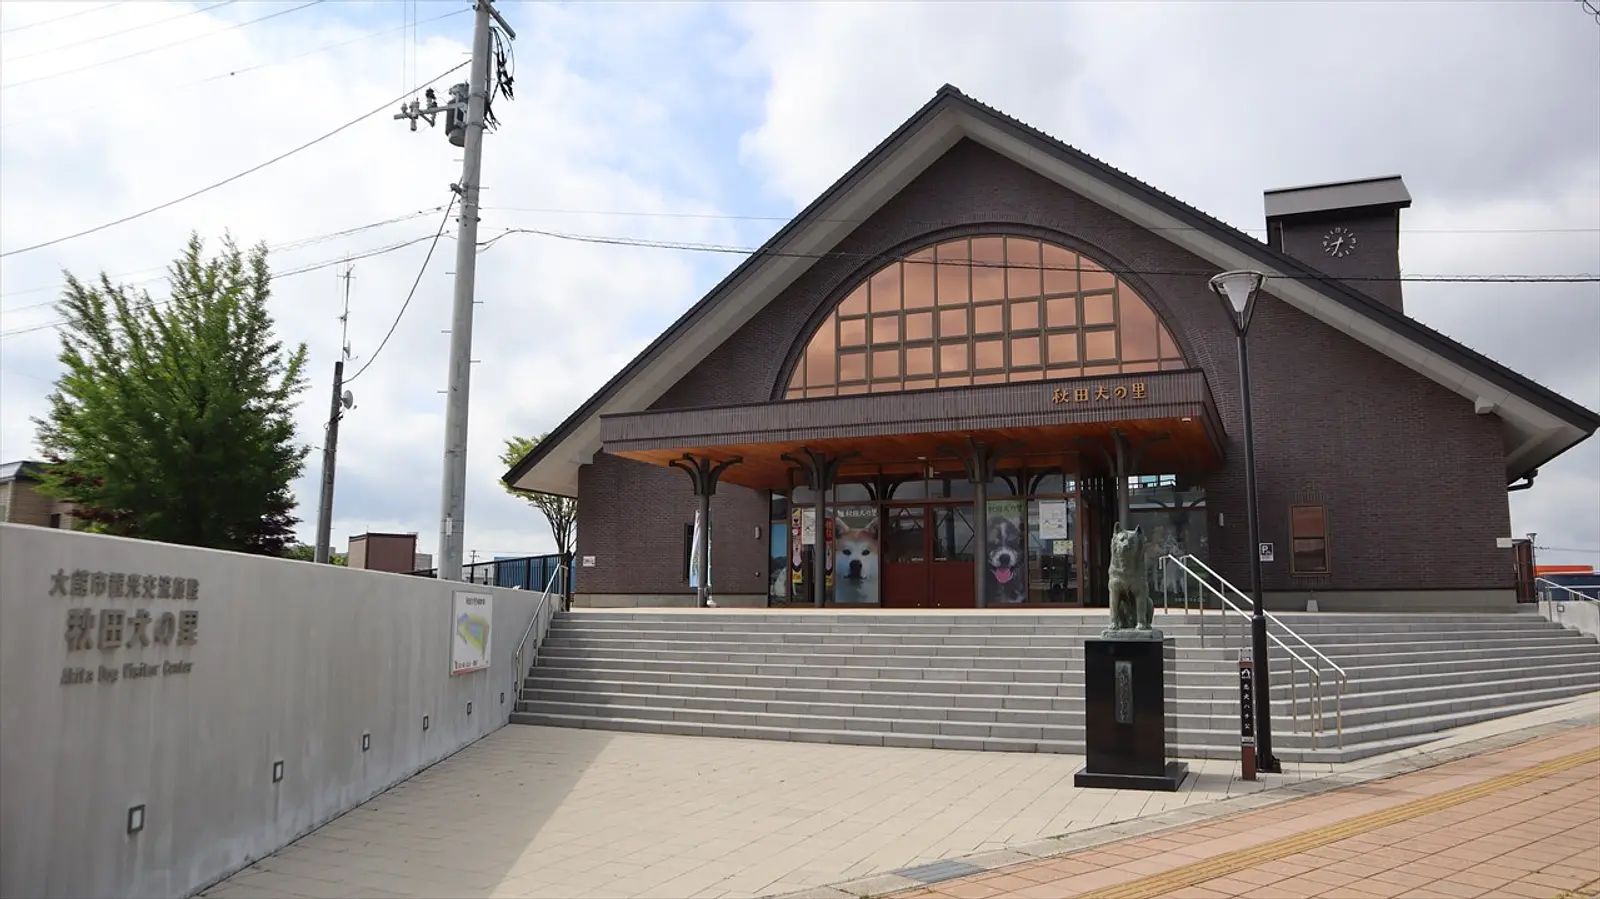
(1128, 685)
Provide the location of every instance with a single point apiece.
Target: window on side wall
(1308, 539)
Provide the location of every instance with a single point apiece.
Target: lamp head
(1238, 291)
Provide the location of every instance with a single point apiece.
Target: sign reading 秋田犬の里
(113, 614)
(470, 626)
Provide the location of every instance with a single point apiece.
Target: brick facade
(1377, 255)
(631, 518)
(1413, 480)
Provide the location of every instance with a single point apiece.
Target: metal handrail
(1315, 715)
(1573, 590)
(538, 613)
(1269, 616)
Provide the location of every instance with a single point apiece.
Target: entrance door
(905, 558)
(927, 558)
(951, 573)
(1522, 560)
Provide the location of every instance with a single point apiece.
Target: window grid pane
(918, 274)
(990, 309)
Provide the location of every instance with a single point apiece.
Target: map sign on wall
(470, 625)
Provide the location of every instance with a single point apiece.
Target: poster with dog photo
(855, 556)
(802, 533)
(1005, 581)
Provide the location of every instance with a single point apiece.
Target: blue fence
(526, 572)
(1587, 585)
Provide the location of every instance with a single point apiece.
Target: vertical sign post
(1247, 715)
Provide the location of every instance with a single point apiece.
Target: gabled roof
(1540, 424)
(23, 470)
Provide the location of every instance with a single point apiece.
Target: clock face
(1339, 243)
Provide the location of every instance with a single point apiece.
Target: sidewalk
(1518, 822)
(551, 813)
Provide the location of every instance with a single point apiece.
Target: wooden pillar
(820, 472)
(704, 474)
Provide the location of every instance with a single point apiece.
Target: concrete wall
(1582, 615)
(290, 661)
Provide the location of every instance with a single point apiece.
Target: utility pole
(330, 445)
(471, 98)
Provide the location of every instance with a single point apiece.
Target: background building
(22, 503)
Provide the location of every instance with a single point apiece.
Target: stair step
(1066, 714)
(1014, 681)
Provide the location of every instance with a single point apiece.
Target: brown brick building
(988, 348)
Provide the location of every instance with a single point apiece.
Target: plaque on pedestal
(1128, 684)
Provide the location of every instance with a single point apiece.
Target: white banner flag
(696, 564)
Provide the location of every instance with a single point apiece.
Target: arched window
(982, 310)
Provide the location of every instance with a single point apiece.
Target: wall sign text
(1099, 393)
(165, 622)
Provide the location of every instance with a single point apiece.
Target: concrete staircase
(1014, 681)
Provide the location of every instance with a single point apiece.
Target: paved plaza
(544, 812)
(1521, 822)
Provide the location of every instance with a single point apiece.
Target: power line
(1570, 549)
(60, 19)
(233, 73)
(302, 243)
(122, 31)
(178, 43)
(348, 257)
(287, 246)
(308, 241)
(413, 292)
(864, 257)
(253, 169)
(714, 216)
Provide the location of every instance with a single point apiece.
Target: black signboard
(1247, 703)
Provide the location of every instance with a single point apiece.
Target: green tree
(305, 552)
(560, 511)
(175, 422)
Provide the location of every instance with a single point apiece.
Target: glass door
(1052, 551)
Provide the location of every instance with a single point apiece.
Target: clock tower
(1348, 229)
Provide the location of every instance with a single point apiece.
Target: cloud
(555, 319)
(686, 116)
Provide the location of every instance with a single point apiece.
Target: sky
(713, 123)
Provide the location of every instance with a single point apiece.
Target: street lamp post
(1238, 291)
